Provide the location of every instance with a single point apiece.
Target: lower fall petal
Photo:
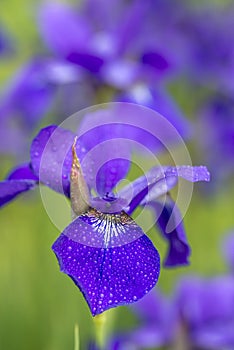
(111, 275)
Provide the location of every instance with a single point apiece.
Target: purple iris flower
(116, 51)
(103, 250)
(198, 316)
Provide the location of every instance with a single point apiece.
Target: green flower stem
(76, 337)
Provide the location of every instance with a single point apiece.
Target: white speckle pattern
(97, 229)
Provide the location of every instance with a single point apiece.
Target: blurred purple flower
(199, 315)
(156, 324)
(32, 93)
(29, 94)
(216, 132)
(207, 308)
(210, 53)
(159, 100)
(6, 44)
(103, 250)
(117, 51)
(228, 250)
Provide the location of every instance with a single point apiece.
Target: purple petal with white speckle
(97, 229)
(108, 276)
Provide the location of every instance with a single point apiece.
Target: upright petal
(108, 151)
(109, 258)
(51, 157)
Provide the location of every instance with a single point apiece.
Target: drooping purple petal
(22, 172)
(9, 189)
(178, 248)
(51, 157)
(109, 258)
(158, 181)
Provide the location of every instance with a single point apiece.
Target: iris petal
(22, 171)
(178, 247)
(108, 152)
(51, 157)
(21, 179)
(108, 275)
(12, 188)
(158, 181)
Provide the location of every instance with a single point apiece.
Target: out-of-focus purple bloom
(228, 250)
(6, 45)
(207, 308)
(33, 92)
(217, 135)
(160, 101)
(117, 51)
(156, 324)
(199, 315)
(210, 53)
(29, 95)
(103, 250)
